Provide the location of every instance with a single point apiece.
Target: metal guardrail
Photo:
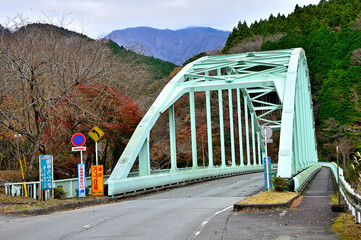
(143, 183)
(68, 185)
(352, 198)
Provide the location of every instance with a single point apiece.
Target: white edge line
(204, 223)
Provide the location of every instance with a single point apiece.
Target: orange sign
(97, 180)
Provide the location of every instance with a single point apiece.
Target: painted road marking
(204, 223)
(282, 214)
(96, 222)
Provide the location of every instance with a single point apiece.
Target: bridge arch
(252, 76)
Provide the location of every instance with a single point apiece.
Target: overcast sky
(96, 18)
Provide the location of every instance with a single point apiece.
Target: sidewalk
(312, 219)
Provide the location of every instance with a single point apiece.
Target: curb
(241, 207)
(63, 207)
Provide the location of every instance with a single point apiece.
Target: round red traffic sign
(78, 139)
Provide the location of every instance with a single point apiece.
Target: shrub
(59, 192)
(279, 183)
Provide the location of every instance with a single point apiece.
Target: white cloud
(94, 17)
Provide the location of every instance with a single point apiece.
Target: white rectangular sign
(76, 149)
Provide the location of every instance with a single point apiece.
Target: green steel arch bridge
(269, 88)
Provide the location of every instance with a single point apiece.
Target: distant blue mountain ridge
(175, 46)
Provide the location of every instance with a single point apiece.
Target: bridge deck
(312, 219)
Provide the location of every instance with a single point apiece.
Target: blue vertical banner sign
(46, 171)
(81, 181)
(267, 174)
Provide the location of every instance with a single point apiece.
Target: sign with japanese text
(46, 171)
(97, 180)
(81, 181)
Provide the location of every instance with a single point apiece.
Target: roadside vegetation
(269, 197)
(55, 82)
(346, 228)
(10, 204)
(330, 34)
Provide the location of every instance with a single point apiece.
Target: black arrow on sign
(94, 131)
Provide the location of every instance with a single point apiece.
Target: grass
(270, 197)
(346, 228)
(10, 203)
(334, 198)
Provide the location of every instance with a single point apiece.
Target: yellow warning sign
(96, 134)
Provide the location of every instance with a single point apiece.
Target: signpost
(97, 180)
(78, 141)
(97, 170)
(96, 134)
(46, 173)
(266, 132)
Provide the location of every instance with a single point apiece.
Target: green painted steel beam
(284, 72)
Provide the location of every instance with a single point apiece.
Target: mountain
(169, 45)
(330, 34)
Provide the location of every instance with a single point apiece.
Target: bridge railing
(352, 197)
(68, 185)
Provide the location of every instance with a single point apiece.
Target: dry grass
(10, 203)
(270, 197)
(11, 176)
(346, 228)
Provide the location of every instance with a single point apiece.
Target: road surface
(180, 213)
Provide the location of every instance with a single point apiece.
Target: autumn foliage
(54, 83)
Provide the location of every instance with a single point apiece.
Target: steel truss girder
(255, 75)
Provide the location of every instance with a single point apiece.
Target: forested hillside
(55, 82)
(330, 33)
(170, 45)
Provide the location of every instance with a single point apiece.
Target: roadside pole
(78, 141)
(338, 180)
(97, 175)
(24, 183)
(266, 132)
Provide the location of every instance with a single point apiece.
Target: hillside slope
(174, 46)
(330, 33)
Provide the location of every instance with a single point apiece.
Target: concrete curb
(62, 207)
(240, 207)
(87, 203)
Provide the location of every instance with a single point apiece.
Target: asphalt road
(181, 213)
(312, 219)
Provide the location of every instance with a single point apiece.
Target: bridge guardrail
(69, 186)
(301, 179)
(352, 198)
